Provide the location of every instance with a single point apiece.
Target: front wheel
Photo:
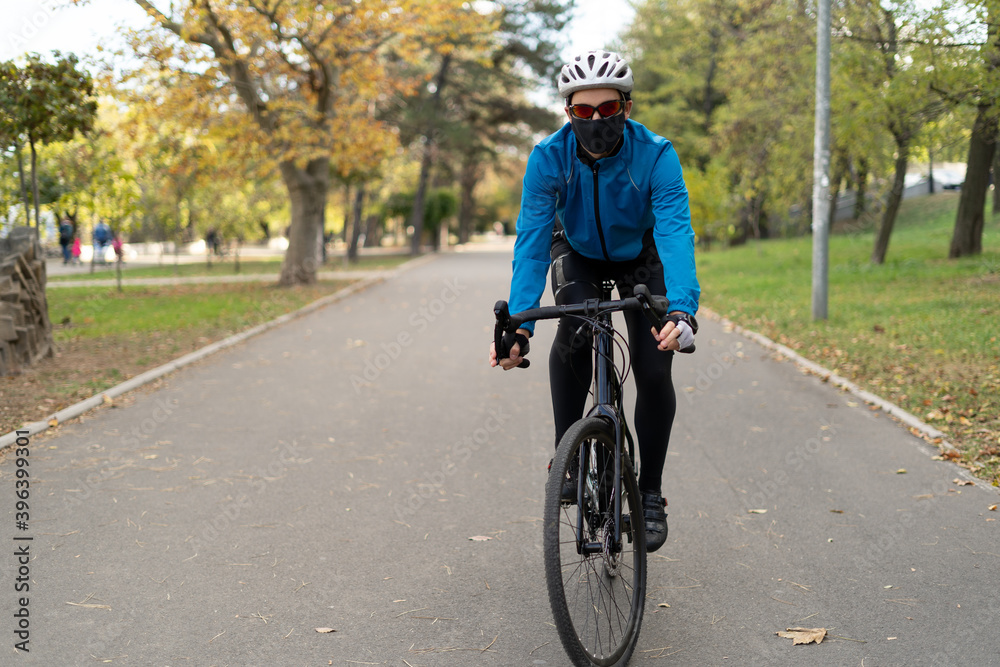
(596, 596)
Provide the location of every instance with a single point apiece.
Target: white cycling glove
(686, 339)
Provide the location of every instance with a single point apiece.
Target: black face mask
(601, 135)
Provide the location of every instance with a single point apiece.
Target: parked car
(949, 179)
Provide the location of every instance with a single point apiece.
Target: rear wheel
(596, 596)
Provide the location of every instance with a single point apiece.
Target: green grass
(101, 312)
(225, 268)
(919, 330)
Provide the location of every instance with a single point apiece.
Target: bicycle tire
(597, 600)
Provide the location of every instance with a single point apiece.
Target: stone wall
(25, 329)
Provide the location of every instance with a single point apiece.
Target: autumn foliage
(310, 78)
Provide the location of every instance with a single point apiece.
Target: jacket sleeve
(535, 222)
(673, 233)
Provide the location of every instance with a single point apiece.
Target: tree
(882, 47)
(726, 82)
(306, 77)
(476, 107)
(47, 102)
(679, 49)
(966, 55)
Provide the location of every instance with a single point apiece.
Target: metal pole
(821, 166)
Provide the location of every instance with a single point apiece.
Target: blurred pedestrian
(66, 238)
(117, 245)
(102, 237)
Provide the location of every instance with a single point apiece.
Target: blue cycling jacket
(605, 209)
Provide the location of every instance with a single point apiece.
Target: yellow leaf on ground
(53, 422)
(325, 630)
(804, 635)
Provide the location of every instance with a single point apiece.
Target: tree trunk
(417, 216)
(347, 214)
(359, 205)
(467, 208)
(834, 192)
(996, 181)
(893, 201)
(967, 238)
(34, 177)
(307, 191)
(24, 187)
(930, 171)
(861, 187)
(373, 232)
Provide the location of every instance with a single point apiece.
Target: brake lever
(502, 313)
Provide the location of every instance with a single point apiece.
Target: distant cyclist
(604, 198)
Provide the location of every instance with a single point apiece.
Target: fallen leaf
(837, 511)
(325, 630)
(993, 508)
(804, 635)
(53, 422)
(963, 482)
(107, 400)
(901, 471)
(480, 538)
(663, 604)
(757, 511)
(890, 638)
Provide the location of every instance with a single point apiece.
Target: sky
(45, 25)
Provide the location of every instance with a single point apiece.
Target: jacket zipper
(597, 213)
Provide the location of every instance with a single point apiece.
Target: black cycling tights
(576, 278)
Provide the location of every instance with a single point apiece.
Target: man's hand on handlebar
(515, 358)
(674, 336)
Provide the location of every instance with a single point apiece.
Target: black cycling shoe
(655, 519)
(569, 486)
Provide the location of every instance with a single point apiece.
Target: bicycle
(595, 547)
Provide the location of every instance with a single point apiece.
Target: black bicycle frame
(607, 403)
(605, 406)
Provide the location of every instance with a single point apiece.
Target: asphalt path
(331, 472)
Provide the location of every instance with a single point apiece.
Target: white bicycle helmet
(595, 69)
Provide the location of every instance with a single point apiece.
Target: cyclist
(604, 198)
